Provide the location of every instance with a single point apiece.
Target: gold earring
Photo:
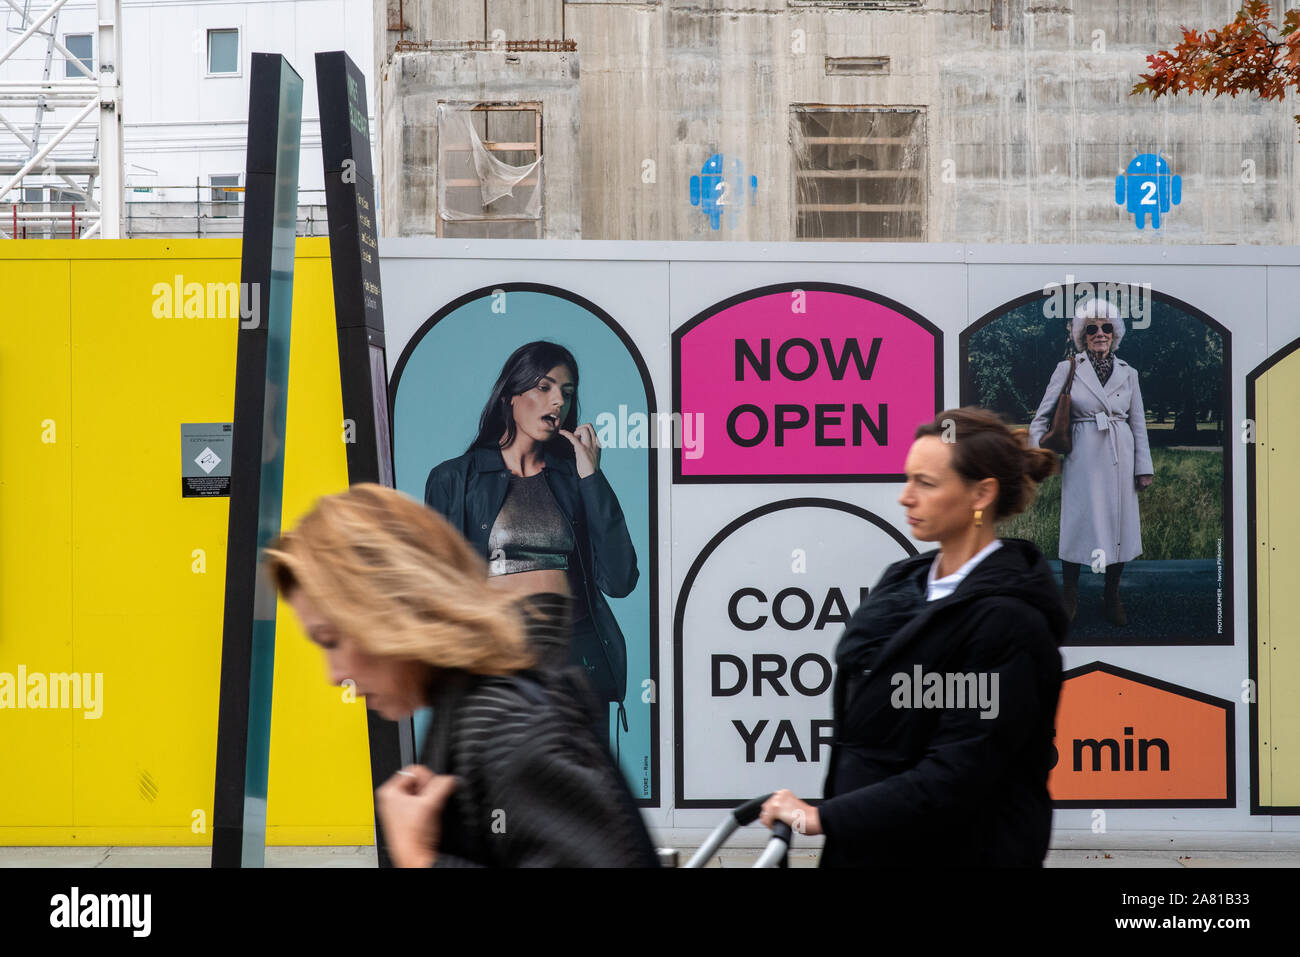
(979, 517)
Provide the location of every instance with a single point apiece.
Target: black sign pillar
(359, 312)
(257, 461)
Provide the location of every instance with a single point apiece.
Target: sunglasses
(1091, 328)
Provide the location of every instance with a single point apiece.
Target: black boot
(1070, 587)
(1114, 608)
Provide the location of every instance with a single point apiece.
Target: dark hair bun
(985, 446)
(1040, 464)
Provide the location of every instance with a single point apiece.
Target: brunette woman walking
(948, 674)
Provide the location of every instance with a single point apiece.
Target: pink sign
(817, 381)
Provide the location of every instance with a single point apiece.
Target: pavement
(364, 856)
(95, 857)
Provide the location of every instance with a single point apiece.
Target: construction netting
(490, 165)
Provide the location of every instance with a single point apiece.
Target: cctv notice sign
(205, 459)
(754, 638)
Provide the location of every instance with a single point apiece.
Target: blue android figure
(715, 192)
(1149, 188)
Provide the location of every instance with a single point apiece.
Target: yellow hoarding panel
(36, 443)
(1277, 556)
(111, 575)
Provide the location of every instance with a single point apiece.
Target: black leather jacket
(536, 788)
(470, 489)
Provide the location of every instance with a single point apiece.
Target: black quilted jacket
(537, 788)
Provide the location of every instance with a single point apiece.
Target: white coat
(1099, 499)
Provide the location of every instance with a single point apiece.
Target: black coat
(942, 785)
(470, 489)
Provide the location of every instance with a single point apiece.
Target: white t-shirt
(936, 588)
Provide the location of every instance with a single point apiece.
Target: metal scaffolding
(96, 92)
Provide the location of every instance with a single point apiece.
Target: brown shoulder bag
(1058, 437)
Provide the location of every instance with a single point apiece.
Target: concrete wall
(1028, 114)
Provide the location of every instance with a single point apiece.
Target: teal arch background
(443, 383)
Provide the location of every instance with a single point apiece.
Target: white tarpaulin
(473, 183)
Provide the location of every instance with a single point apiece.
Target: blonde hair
(398, 579)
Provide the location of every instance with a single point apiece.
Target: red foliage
(1249, 55)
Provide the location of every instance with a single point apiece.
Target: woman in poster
(529, 495)
(1109, 460)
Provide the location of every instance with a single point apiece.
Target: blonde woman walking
(511, 774)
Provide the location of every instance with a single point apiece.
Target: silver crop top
(530, 532)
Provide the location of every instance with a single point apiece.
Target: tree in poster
(1185, 365)
(1180, 360)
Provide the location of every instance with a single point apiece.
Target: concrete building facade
(770, 120)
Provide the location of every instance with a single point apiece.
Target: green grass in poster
(1182, 511)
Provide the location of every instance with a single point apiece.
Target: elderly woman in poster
(1109, 461)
